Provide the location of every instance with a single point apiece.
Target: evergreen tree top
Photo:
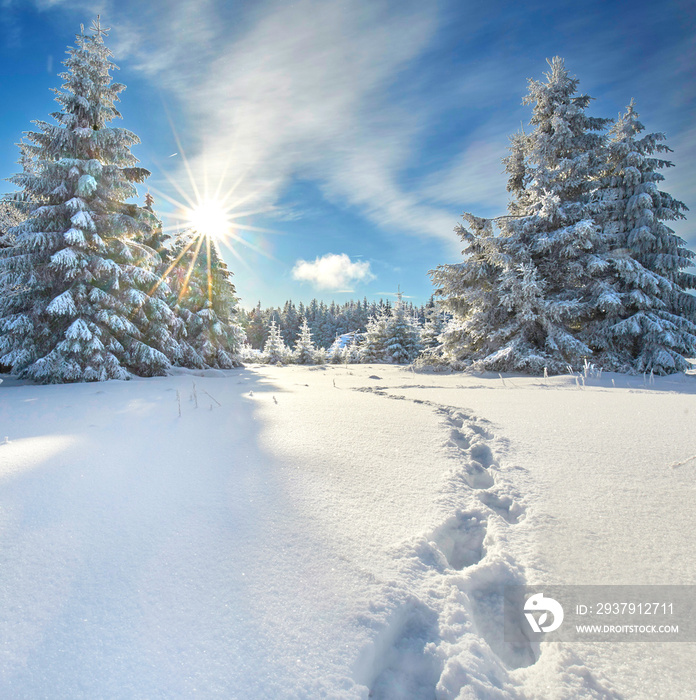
(88, 95)
(558, 114)
(97, 29)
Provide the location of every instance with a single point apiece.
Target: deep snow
(339, 532)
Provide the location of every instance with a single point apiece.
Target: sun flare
(213, 216)
(211, 219)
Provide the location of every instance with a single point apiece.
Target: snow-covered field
(335, 532)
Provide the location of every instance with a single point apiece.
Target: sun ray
(171, 267)
(205, 178)
(251, 212)
(184, 159)
(189, 272)
(259, 229)
(182, 192)
(210, 276)
(238, 257)
(223, 174)
(186, 196)
(221, 180)
(241, 177)
(253, 193)
(171, 200)
(234, 187)
(251, 246)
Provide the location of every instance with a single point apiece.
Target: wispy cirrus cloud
(311, 99)
(302, 90)
(337, 92)
(332, 272)
(475, 179)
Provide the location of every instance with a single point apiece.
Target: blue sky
(352, 133)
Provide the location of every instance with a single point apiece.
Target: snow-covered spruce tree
(468, 292)
(520, 299)
(336, 352)
(374, 340)
(305, 352)
(352, 350)
(321, 356)
(204, 298)
(402, 343)
(649, 324)
(77, 269)
(275, 351)
(290, 322)
(433, 325)
(255, 327)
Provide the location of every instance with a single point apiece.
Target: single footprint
(460, 539)
(504, 506)
(482, 454)
(459, 440)
(476, 476)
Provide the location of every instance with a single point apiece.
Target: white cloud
(332, 272)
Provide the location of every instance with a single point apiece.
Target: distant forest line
(326, 321)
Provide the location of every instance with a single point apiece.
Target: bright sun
(210, 216)
(211, 219)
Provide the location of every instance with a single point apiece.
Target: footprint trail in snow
(441, 634)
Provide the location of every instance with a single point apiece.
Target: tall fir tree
(291, 322)
(402, 344)
(275, 351)
(305, 352)
(648, 324)
(78, 268)
(255, 327)
(375, 338)
(525, 290)
(433, 325)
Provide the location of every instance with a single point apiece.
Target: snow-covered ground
(336, 532)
